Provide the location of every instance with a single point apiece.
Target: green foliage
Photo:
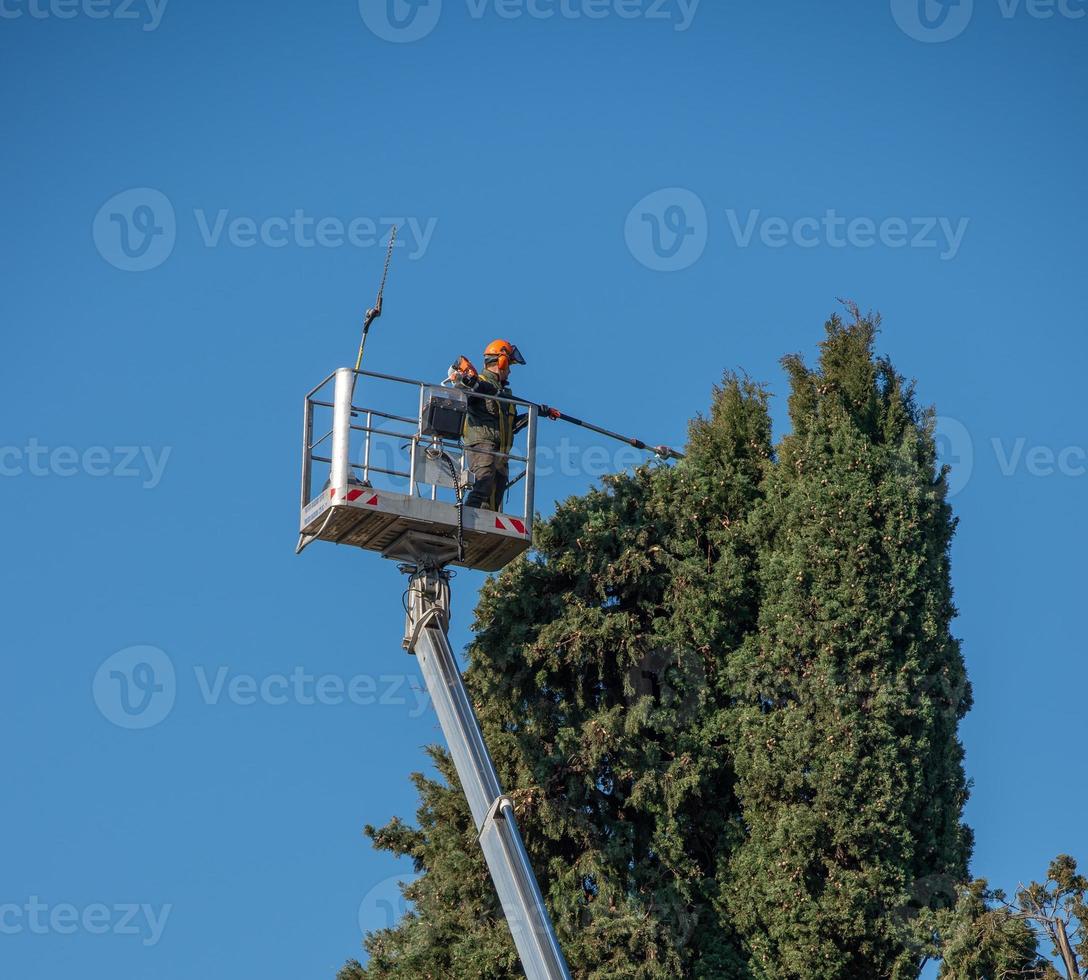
(724, 697)
(850, 690)
(980, 941)
(988, 937)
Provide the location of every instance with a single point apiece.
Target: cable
(305, 539)
(460, 491)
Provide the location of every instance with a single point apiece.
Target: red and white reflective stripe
(355, 493)
(517, 525)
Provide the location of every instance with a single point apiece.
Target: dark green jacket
(491, 423)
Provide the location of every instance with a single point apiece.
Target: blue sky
(783, 154)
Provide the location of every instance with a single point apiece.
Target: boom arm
(492, 812)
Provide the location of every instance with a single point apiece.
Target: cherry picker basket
(387, 469)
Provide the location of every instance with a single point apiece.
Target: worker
(491, 424)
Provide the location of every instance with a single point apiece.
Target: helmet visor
(515, 355)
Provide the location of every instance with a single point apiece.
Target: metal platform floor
(376, 520)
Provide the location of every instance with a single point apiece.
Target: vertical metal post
(307, 448)
(414, 446)
(493, 813)
(341, 428)
(366, 447)
(530, 464)
(438, 448)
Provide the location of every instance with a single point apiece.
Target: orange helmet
(502, 354)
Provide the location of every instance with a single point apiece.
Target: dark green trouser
(492, 474)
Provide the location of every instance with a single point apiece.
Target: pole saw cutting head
(376, 310)
(462, 370)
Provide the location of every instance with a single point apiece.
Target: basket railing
(362, 444)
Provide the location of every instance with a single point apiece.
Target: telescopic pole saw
(376, 310)
(664, 452)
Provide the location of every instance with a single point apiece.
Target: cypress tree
(596, 674)
(724, 697)
(849, 769)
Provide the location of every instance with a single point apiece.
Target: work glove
(552, 413)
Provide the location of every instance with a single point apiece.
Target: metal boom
(492, 812)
